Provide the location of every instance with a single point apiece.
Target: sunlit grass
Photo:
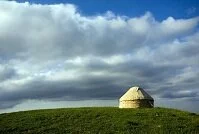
(100, 120)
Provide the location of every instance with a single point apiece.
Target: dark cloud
(86, 89)
(6, 73)
(179, 94)
(8, 104)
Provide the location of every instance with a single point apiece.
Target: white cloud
(191, 10)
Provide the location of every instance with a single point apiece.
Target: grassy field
(100, 120)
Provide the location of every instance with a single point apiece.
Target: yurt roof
(136, 93)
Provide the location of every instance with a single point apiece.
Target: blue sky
(75, 53)
(160, 9)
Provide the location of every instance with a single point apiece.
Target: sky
(78, 54)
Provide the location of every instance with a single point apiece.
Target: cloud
(6, 73)
(53, 52)
(180, 94)
(191, 10)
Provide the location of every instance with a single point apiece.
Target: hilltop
(100, 120)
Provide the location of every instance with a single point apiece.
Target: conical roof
(136, 93)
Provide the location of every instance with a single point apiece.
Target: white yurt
(136, 97)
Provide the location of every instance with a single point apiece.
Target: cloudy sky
(72, 54)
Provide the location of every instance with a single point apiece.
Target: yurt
(136, 97)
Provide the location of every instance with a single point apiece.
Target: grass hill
(100, 120)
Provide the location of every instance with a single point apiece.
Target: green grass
(100, 120)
